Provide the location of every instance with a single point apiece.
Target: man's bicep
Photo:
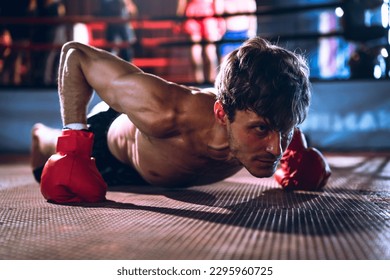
(136, 91)
(102, 71)
(150, 102)
(119, 83)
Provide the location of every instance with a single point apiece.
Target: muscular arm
(151, 103)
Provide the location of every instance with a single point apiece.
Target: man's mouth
(267, 162)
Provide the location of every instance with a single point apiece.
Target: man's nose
(274, 143)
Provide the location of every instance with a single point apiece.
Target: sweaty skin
(171, 134)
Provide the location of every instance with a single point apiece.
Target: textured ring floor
(239, 218)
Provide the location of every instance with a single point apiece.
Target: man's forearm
(74, 91)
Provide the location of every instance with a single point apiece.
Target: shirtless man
(164, 134)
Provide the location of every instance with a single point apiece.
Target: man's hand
(71, 175)
(302, 168)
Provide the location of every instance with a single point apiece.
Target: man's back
(195, 153)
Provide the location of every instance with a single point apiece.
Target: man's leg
(44, 141)
(43, 145)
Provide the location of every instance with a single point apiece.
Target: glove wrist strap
(76, 126)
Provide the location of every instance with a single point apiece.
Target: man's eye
(262, 128)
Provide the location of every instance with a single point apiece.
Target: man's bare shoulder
(194, 97)
(202, 99)
(194, 108)
(207, 91)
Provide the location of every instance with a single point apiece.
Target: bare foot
(43, 144)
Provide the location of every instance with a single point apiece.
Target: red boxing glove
(302, 168)
(71, 175)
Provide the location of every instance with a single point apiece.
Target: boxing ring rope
(164, 22)
(171, 22)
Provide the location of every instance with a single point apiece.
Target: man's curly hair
(268, 80)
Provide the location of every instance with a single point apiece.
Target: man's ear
(219, 112)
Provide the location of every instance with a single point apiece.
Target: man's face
(255, 144)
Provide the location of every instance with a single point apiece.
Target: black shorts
(114, 172)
